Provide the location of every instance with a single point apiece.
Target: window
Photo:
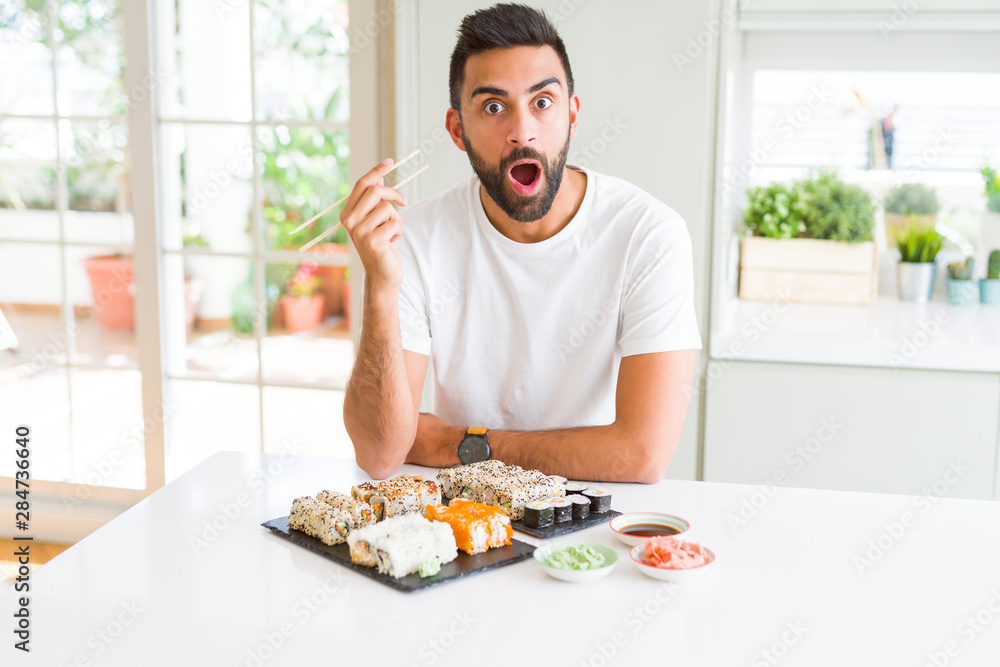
(940, 129)
(66, 240)
(247, 154)
(249, 139)
(815, 88)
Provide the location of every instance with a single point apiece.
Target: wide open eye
(493, 108)
(548, 102)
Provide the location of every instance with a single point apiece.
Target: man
(556, 302)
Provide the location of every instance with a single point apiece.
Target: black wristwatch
(474, 446)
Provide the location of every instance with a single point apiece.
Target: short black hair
(502, 26)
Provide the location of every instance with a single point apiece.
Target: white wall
(623, 59)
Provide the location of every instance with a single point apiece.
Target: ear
(454, 125)
(574, 114)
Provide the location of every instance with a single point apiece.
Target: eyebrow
(490, 90)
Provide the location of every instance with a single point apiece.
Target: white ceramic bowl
(622, 521)
(542, 556)
(637, 553)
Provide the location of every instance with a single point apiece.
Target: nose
(522, 130)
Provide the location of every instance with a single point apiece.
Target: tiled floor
(202, 416)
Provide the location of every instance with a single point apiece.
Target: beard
(494, 180)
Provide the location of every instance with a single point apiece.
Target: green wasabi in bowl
(577, 557)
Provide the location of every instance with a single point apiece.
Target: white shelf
(889, 333)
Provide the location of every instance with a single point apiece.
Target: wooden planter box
(808, 270)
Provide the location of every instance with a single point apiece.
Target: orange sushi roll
(477, 527)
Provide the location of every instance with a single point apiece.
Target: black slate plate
(463, 566)
(566, 527)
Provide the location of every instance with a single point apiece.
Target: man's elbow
(651, 474)
(379, 455)
(377, 467)
(378, 473)
(654, 458)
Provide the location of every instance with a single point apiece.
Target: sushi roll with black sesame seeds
(562, 509)
(317, 519)
(361, 513)
(600, 500)
(581, 506)
(539, 514)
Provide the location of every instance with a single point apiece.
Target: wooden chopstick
(341, 201)
(334, 228)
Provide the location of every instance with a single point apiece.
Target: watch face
(473, 448)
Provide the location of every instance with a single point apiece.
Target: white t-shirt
(529, 336)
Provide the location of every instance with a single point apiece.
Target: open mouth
(525, 176)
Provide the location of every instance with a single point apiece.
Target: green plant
(911, 199)
(833, 210)
(993, 265)
(192, 239)
(304, 171)
(769, 212)
(961, 270)
(305, 282)
(919, 244)
(992, 187)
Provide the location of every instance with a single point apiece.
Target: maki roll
(539, 514)
(581, 506)
(600, 500)
(575, 487)
(558, 478)
(562, 509)
(317, 519)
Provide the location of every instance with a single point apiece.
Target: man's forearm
(378, 407)
(611, 453)
(600, 453)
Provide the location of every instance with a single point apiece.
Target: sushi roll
(600, 500)
(361, 513)
(539, 514)
(581, 506)
(403, 545)
(495, 483)
(477, 527)
(512, 493)
(468, 481)
(575, 487)
(363, 492)
(396, 496)
(562, 509)
(317, 519)
(559, 479)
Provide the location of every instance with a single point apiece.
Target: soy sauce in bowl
(635, 528)
(649, 530)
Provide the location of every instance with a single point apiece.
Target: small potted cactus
(961, 286)
(989, 287)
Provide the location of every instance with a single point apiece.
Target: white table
(136, 592)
